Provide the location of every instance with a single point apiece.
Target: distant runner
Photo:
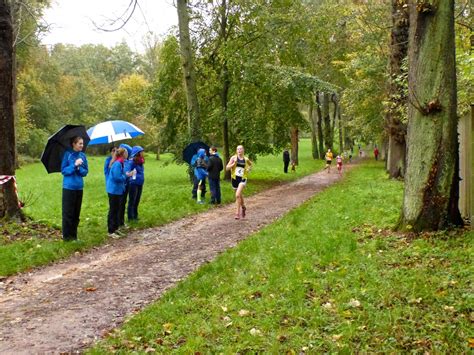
(239, 165)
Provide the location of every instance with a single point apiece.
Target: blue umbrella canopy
(112, 131)
(58, 143)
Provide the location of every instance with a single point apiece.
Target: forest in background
(270, 69)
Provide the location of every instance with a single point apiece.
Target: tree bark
(396, 129)
(225, 80)
(9, 206)
(194, 117)
(294, 145)
(320, 126)
(340, 128)
(328, 138)
(431, 193)
(314, 130)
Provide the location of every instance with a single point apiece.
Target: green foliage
(327, 277)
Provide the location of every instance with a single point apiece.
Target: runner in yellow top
(328, 158)
(239, 165)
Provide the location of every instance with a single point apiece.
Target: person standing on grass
(74, 168)
(115, 189)
(136, 182)
(195, 180)
(200, 173)
(328, 158)
(240, 166)
(108, 162)
(339, 164)
(286, 160)
(126, 164)
(214, 169)
(376, 153)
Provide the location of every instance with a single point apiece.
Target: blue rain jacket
(73, 175)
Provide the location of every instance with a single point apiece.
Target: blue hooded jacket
(140, 177)
(128, 162)
(73, 175)
(115, 184)
(200, 162)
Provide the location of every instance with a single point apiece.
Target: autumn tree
(9, 206)
(194, 115)
(397, 101)
(431, 183)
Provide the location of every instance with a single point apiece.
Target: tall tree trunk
(334, 100)
(225, 80)
(328, 138)
(314, 130)
(294, 144)
(320, 125)
(396, 129)
(194, 117)
(340, 128)
(431, 193)
(9, 206)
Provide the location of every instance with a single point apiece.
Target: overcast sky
(71, 21)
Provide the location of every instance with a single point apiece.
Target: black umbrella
(192, 149)
(58, 143)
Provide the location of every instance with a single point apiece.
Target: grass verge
(166, 197)
(327, 277)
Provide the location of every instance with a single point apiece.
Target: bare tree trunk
(320, 125)
(225, 80)
(158, 153)
(431, 193)
(294, 144)
(328, 138)
(9, 206)
(194, 117)
(340, 128)
(314, 130)
(396, 129)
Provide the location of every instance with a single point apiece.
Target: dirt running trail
(67, 306)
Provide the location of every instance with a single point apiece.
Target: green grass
(166, 197)
(327, 277)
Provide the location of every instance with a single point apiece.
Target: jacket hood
(135, 150)
(127, 147)
(201, 153)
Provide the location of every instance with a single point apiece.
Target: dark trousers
(134, 195)
(215, 187)
(195, 187)
(113, 218)
(285, 166)
(123, 205)
(72, 201)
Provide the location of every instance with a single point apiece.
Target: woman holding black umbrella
(74, 167)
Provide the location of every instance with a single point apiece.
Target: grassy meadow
(166, 197)
(327, 277)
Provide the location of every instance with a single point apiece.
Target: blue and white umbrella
(112, 131)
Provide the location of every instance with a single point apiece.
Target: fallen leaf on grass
(255, 332)
(336, 337)
(243, 313)
(354, 303)
(224, 308)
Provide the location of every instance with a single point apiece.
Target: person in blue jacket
(115, 187)
(74, 168)
(108, 162)
(200, 173)
(196, 186)
(136, 182)
(126, 164)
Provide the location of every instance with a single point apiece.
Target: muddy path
(67, 306)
